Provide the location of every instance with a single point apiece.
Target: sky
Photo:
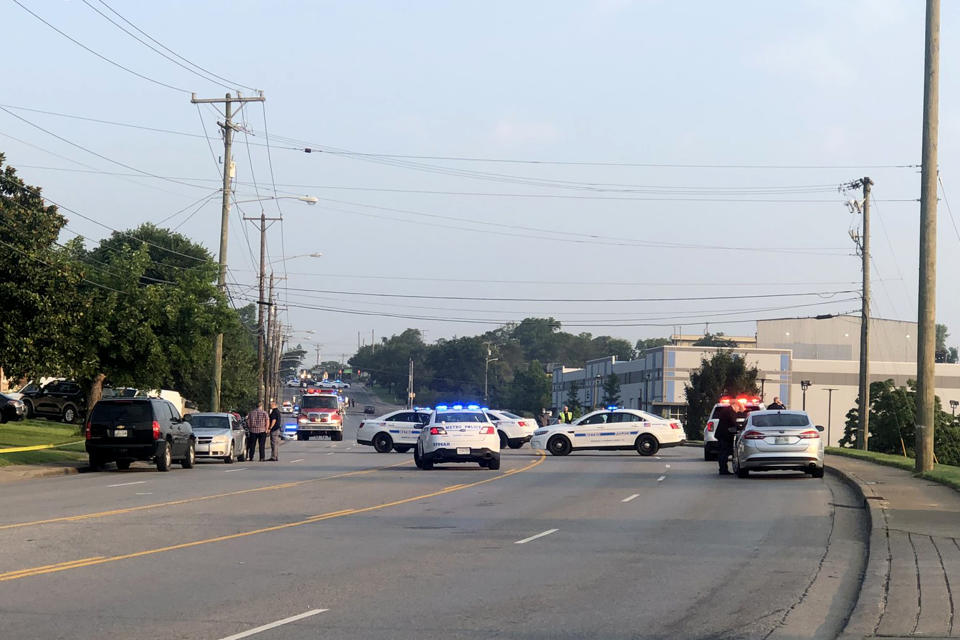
(687, 154)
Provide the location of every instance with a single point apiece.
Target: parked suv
(122, 430)
(711, 448)
(58, 399)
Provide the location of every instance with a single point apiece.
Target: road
(337, 541)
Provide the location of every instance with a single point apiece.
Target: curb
(15, 473)
(865, 617)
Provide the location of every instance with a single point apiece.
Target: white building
(824, 352)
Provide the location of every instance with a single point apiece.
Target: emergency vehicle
(710, 445)
(458, 433)
(397, 430)
(611, 429)
(321, 414)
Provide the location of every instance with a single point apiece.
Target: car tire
(337, 437)
(232, 456)
(300, 436)
(493, 463)
(504, 440)
(708, 455)
(242, 456)
(401, 448)
(514, 444)
(190, 457)
(96, 462)
(123, 465)
(740, 471)
(647, 445)
(69, 414)
(559, 446)
(382, 442)
(816, 472)
(421, 461)
(164, 456)
(28, 409)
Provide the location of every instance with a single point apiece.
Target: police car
(711, 447)
(610, 429)
(458, 433)
(512, 429)
(397, 430)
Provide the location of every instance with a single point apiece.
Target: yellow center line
(89, 562)
(157, 505)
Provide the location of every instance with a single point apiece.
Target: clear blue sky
(831, 83)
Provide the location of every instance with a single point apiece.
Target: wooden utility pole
(228, 174)
(268, 346)
(261, 303)
(863, 247)
(410, 385)
(927, 291)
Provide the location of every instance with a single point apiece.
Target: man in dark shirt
(776, 405)
(727, 426)
(276, 430)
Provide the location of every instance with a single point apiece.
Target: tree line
(139, 309)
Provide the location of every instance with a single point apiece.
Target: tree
(724, 373)
(530, 391)
(715, 340)
(650, 343)
(943, 352)
(573, 396)
(611, 390)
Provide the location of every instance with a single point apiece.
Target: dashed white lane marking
(274, 625)
(629, 498)
(668, 466)
(127, 484)
(147, 493)
(232, 470)
(331, 453)
(539, 535)
(661, 478)
(297, 460)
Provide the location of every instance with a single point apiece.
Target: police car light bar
(473, 407)
(458, 407)
(612, 407)
(441, 407)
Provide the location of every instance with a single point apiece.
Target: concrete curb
(865, 617)
(15, 473)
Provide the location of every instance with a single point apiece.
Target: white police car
(512, 429)
(397, 430)
(610, 429)
(458, 433)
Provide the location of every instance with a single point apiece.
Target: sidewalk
(911, 587)
(15, 472)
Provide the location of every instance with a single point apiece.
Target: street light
(311, 200)
(299, 255)
(953, 407)
(486, 367)
(829, 410)
(804, 385)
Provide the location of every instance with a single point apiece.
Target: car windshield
(319, 402)
(780, 420)
(122, 412)
(209, 422)
(461, 416)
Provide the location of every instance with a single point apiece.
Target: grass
(28, 433)
(942, 473)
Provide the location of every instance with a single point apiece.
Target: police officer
(776, 405)
(566, 416)
(726, 431)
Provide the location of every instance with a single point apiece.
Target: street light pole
(804, 385)
(829, 410)
(486, 368)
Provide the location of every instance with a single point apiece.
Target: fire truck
(321, 414)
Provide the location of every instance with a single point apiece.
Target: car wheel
(647, 445)
(123, 465)
(401, 448)
(504, 441)
(709, 455)
(493, 463)
(559, 446)
(337, 437)
(28, 409)
(382, 442)
(190, 457)
(816, 472)
(421, 461)
(232, 456)
(69, 414)
(3, 417)
(164, 456)
(96, 462)
(242, 456)
(516, 444)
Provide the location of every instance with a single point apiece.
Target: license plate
(783, 440)
(463, 451)
(119, 433)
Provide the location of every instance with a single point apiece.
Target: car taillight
(674, 425)
(753, 435)
(156, 430)
(86, 430)
(521, 423)
(810, 434)
(710, 425)
(438, 431)
(361, 426)
(486, 430)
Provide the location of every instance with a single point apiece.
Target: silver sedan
(219, 435)
(773, 440)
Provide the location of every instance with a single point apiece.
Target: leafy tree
(944, 353)
(724, 373)
(530, 391)
(650, 343)
(715, 340)
(573, 396)
(611, 390)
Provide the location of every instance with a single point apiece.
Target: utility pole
(863, 246)
(926, 312)
(486, 368)
(261, 303)
(829, 391)
(228, 174)
(319, 346)
(268, 346)
(410, 385)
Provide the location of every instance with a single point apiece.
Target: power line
(44, 262)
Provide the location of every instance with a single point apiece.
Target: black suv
(58, 399)
(122, 430)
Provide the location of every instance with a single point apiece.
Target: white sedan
(397, 430)
(513, 430)
(458, 434)
(610, 430)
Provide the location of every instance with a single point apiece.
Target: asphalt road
(363, 545)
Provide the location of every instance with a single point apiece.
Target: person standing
(276, 430)
(257, 422)
(776, 405)
(726, 431)
(566, 416)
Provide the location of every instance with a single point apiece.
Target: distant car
(773, 440)
(397, 430)
(219, 435)
(710, 445)
(122, 430)
(58, 400)
(11, 409)
(286, 407)
(610, 430)
(458, 434)
(512, 429)
(293, 382)
(369, 409)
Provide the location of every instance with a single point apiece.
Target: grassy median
(942, 473)
(67, 439)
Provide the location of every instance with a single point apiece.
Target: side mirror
(820, 428)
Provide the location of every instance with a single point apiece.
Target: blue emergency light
(441, 407)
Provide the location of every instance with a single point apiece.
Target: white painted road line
(127, 484)
(146, 493)
(539, 535)
(274, 625)
(668, 466)
(661, 478)
(331, 453)
(629, 498)
(232, 470)
(297, 460)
